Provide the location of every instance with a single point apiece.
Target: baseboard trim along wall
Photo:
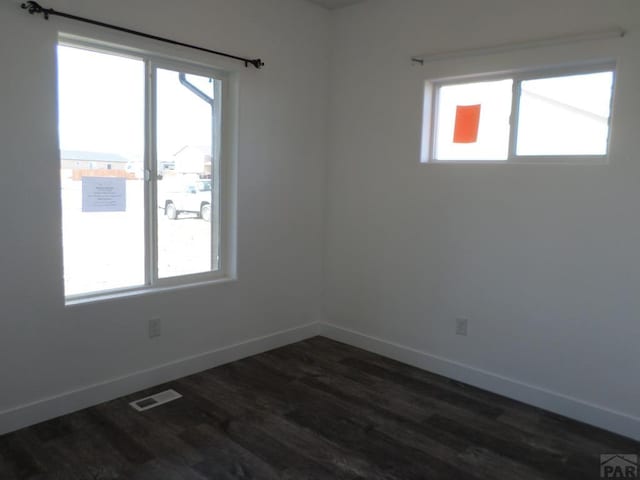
(71, 401)
(45, 409)
(574, 408)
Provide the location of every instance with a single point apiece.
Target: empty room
(319, 239)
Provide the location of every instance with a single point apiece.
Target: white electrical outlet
(155, 328)
(462, 326)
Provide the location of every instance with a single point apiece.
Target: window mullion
(513, 120)
(152, 175)
(216, 185)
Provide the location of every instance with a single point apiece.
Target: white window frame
(226, 120)
(433, 90)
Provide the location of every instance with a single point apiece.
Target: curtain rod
(33, 8)
(508, 47)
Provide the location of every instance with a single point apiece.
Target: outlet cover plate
(155, 328)
(462, 326)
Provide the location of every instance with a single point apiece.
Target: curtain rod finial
(34, 7)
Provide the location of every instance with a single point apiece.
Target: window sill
(567, 160)
(141, 291)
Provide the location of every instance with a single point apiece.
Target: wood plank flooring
(317, 409)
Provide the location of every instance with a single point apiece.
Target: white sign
(104, 194)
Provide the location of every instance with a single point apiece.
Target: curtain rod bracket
(35, 8)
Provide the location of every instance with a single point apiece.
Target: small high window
(549, 116)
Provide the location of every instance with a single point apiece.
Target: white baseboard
(559, 403)
(67, 402)
(71, 401)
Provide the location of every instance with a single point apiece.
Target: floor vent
(155, 400)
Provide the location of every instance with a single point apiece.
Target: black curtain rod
(34, 7)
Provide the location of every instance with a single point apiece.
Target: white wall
(47, 349)
(543, 260)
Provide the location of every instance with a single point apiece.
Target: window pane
(565, 115)
(472, 121)
(188, 166)
(101, 128)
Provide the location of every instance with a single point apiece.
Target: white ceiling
(332, 4)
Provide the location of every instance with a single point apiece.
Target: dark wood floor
(313, 410)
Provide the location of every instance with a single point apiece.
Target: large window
(556, 115)
(140, 142)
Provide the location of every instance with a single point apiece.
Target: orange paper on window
(467, 124)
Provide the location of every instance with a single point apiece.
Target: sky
(101, 106)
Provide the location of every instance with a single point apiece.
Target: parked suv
(194, 197)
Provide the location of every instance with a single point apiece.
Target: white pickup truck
(193, 197)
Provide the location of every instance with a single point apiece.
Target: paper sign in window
(100, 194)
(467, 124)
